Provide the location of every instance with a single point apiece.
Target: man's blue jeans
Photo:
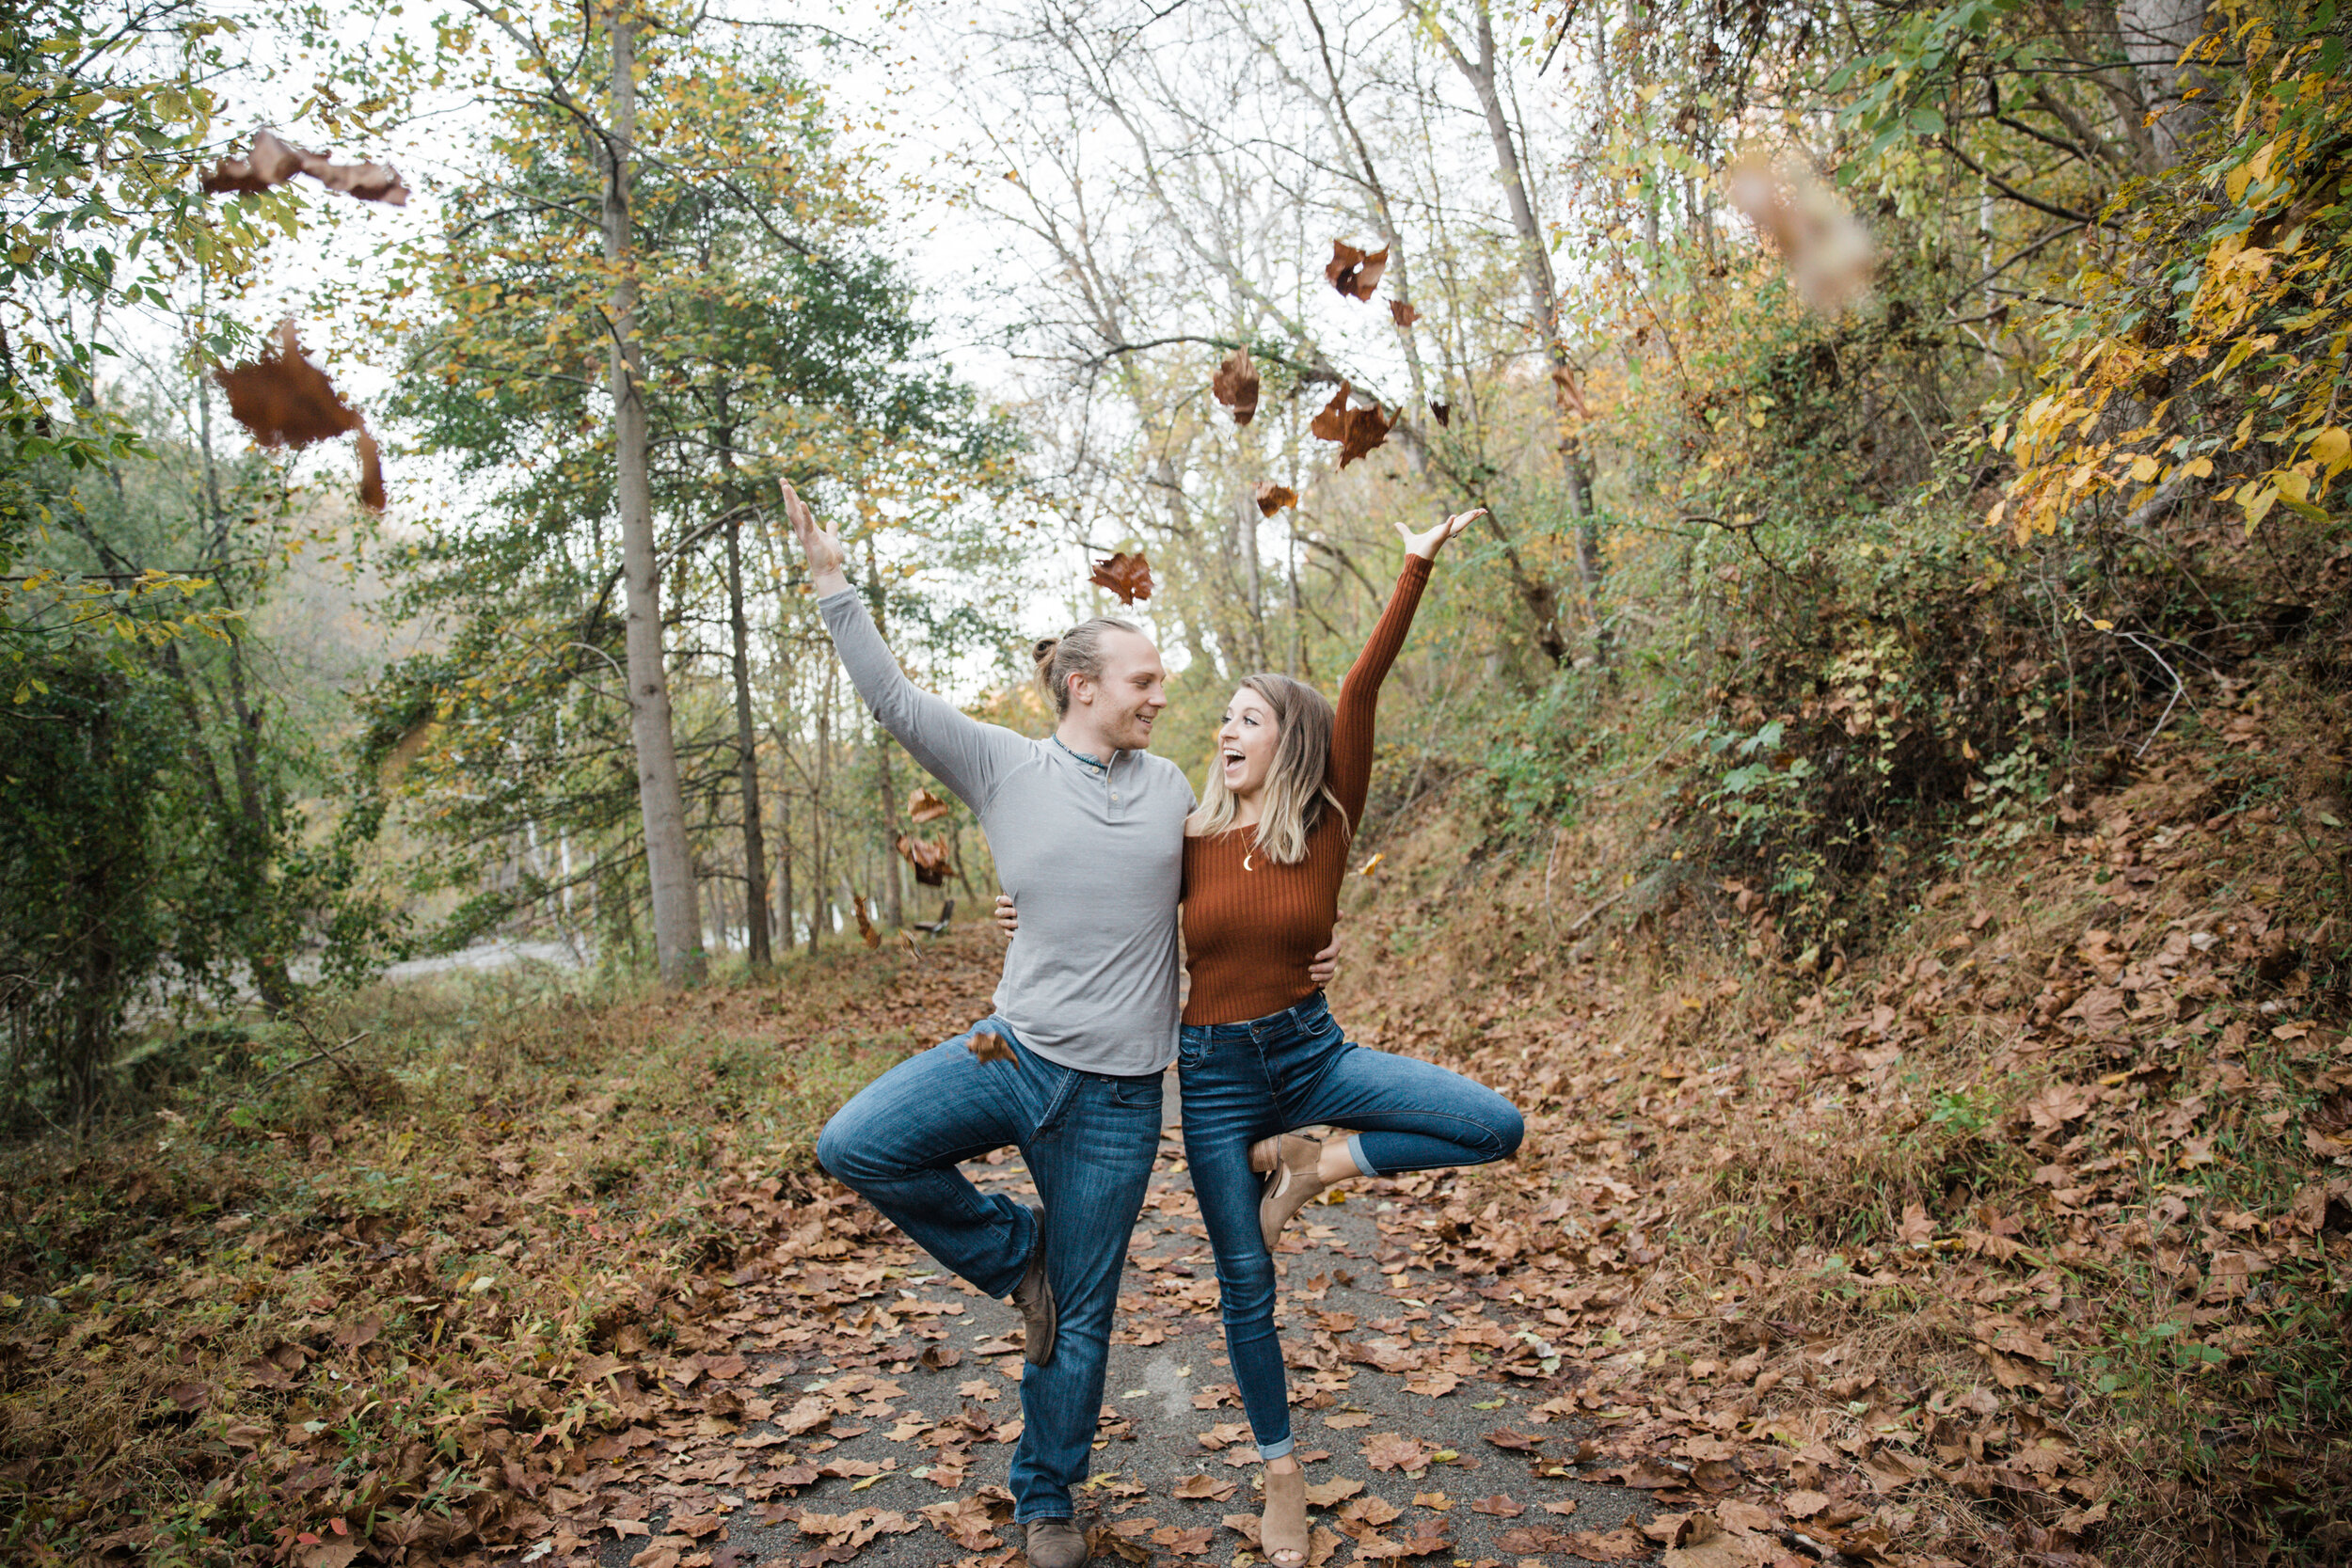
(1089, 1140)
(1243, 1082)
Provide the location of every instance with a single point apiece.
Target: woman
(1265, 855)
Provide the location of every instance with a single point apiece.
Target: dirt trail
(904, 1458)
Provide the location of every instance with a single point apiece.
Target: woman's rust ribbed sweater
(1250, 930)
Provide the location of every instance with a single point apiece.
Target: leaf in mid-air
(923, 806)
(274, 161)
(990, 1046)
(1402, 313)
(928, 858)
(866, 922)
(1444, 412)
(1272, 498)
(1357, 430)
(1356, 272)
(1236, 385)
(286, 401)
(1127, 576)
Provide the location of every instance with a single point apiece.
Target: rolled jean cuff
(1269, 1452)
(1364, 1161)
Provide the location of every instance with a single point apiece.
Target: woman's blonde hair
(1296, 787)
(1078, 651)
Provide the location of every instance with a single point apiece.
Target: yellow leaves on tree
(2245, 387)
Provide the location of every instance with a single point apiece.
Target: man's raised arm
(966, 755)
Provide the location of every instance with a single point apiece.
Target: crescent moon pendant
(1245, 861)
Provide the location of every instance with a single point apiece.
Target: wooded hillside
(1873, 786)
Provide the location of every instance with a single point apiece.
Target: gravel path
(1395, 1422)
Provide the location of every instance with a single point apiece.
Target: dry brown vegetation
(2021, 1239)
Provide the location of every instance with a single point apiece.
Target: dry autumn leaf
(1356, 272)
(1236, 385)
(990, 1046)
(1357, 430)
(273, 161)
(1444, 412)
(1499, 1506)
(1389, 1451)
(923, 806)
(1829, 255)
(1402, 313)
(285, 401)
(865, 921)
(928, 857)
(1273, 498)
(1203, 1485)
(1127, 576)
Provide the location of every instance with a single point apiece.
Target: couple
(1097, 841)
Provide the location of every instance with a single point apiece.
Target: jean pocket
(1136, 1094)
(1191, 1050)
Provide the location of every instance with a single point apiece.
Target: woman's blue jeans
(1089, 1139)
(1243, 1082)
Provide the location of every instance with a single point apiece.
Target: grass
(506, 1174)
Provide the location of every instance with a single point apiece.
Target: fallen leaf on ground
(1499, 1506)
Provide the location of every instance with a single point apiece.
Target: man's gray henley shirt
(1093, 856)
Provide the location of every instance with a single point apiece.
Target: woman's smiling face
(1245, 741)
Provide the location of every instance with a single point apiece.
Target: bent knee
(836, 1149)
(1509, 1130)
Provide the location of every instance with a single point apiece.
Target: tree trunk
(893, 898)
(1542, 302)
(2154, 33)
(747, 760)
(816, 811)
(678, 940)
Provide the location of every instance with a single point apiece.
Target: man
(1087, 827)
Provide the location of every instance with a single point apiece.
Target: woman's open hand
(821, 544)
(1426, 545)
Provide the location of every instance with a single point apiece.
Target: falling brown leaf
(990, 1046)
(1236, 385)
(1272, 498)
(1564, 384)
(1356, 429)
(1444, 411)
(1402, 313)
(371, 473)
(923, 806)
(274, 161)
(1127, 576)
(1354, 272)
(928, 857)
(283, 399)
(1829, 255)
